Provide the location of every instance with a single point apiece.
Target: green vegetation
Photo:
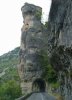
(9, 78)
(49, 74)
(46, 25)
(10, 90)
(38, 15)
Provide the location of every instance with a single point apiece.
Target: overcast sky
(11, 21)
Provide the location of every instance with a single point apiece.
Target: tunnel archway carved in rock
(38, 85)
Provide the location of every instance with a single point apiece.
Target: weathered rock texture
(60, 43)
(31, 44)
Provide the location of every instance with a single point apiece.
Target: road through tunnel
(38, 85)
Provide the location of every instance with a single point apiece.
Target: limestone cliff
(31, 44)
(60, 43)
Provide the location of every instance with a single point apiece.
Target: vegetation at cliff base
(10, 90)
(9, 78)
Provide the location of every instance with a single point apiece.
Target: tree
(10, 90)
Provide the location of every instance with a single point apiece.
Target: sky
(11, 21)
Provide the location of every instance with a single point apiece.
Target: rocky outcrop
(32, 42)
(59, 46)
(60, 43)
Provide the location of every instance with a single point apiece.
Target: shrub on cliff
(38, 15)
(49, 74)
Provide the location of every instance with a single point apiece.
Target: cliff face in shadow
(60, 22)
(60, 43)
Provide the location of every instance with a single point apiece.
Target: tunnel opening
(39, 85)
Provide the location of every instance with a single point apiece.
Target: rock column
(31, 44)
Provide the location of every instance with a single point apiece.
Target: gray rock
(32, 42)
(30, 9)
(60, 43)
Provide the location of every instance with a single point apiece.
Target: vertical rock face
(61, 21)
(60, 43)
(31, 44)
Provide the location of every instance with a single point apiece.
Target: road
(41, 96)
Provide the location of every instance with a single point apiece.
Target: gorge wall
(57, 41)
(60, 44)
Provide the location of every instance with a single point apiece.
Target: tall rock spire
(31, 43)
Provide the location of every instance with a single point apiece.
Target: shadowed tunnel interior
(39, 85)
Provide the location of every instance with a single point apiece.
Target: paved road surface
(41, 96)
